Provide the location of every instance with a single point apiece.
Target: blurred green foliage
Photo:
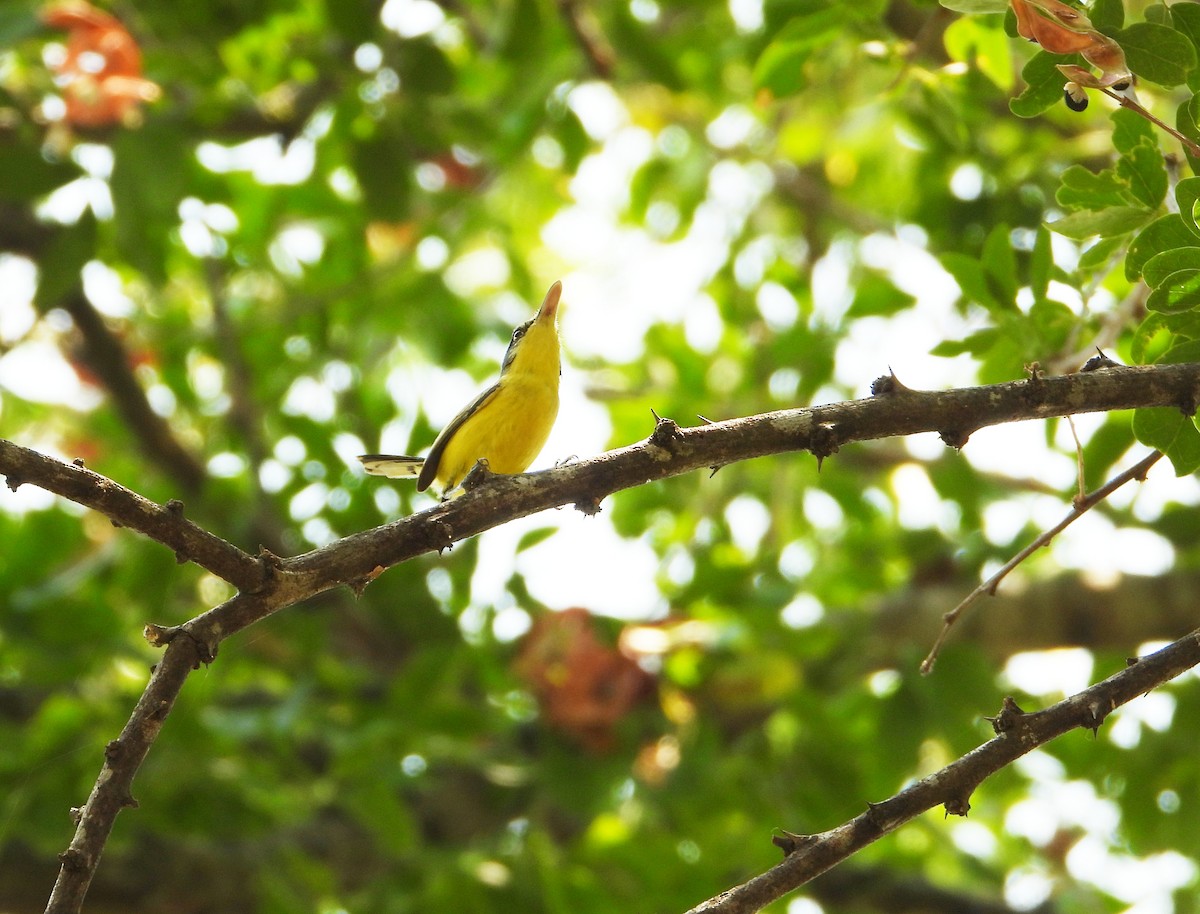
(324, 220)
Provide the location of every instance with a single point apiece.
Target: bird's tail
(396, 466)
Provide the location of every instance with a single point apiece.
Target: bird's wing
(430, 469)
(397, 466)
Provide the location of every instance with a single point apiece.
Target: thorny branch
(269, 583)
(125, 508)
(1017, 733)
(1080, 506)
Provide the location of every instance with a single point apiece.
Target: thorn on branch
(790, 842)
(717, 467)
(1034, 370)
(268, 564)
(159, 635)
(360, 584)
(704, 420)
(589, 506)
(441, 536)
(478, 475)
(888, 384)
(823, 441)
(175, 506)
(1010, 714)
(666, 432)
(1099, 361)
(1095, 717)
(78, 462)
(958, 806)
(73, 860)
(955, 438)
(877, 814)
(206, 653)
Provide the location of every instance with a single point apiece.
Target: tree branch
(670, 451)
(125, 508)
(122, 758)
(106, 356)
(1018, 733)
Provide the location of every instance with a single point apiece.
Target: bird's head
(534, 345)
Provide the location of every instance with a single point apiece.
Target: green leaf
(1000, 264)
(1178, 292)
(152, 173)
(1113, 220)
(780, 68)
(1143, 168)
(1181, 354)
(1131, 130)
(1182, 324)
(976, 344)
(424, 66)
(1082, 189)
(1100, 253)
(1186, 19)
(1043, 84)
(531, 538)
(1163, 234)
(974, 7)
(1160, 266)
(1157, 53)
(18, 22)
(382, 164)
(982, 42)
(1151, 336)
(875, 294)
(1171, 432)
(26, 173)
(1157, 13)
(971, 278)
(1041, 263)
(1187, 195)
(1187, 122)
(60, 263)
(1107, 15)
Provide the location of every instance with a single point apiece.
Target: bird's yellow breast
(508, 431)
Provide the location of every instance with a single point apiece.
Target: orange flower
(1063, 29)
(101, 75)
(582, 686)
(1058, 28)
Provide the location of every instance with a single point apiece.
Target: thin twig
(1192, 146)
(1079, 481)
(107, 357)
(1080, 504)
(588, 37)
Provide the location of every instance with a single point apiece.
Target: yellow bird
(507, 425)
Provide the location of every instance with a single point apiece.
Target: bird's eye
(519, 332)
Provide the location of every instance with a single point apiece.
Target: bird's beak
(549, 309)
